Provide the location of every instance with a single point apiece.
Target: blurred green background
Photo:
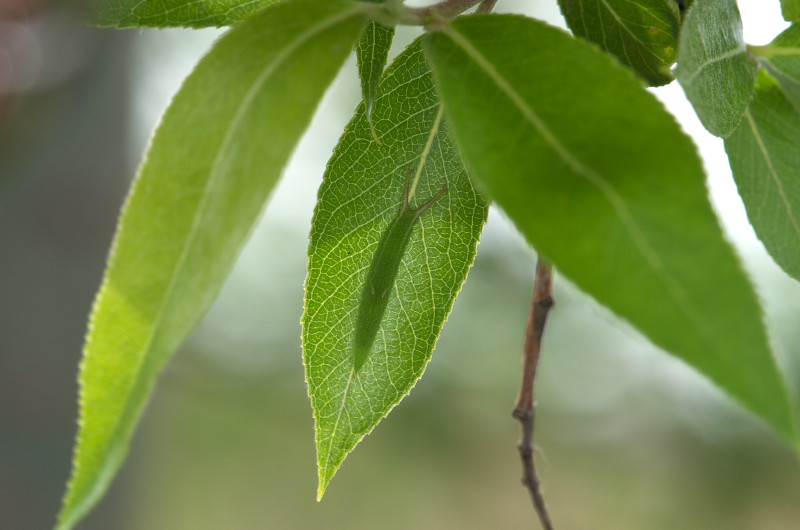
(628, 437)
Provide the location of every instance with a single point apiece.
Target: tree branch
(525, 411)
(486, 6)
(444, 9)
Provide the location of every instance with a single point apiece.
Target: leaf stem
(525, 409)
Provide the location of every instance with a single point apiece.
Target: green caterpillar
(382, 273)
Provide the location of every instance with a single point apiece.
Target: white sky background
(164, 58)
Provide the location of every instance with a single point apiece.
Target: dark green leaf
(714, 67)
(361, 195)
(601, 180)
(166, 13)
(642, 35)
(791, 9)
(765, 158)
(214, 160)
(782, 58)
(372, 52)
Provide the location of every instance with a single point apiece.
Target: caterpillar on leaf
(383, 272)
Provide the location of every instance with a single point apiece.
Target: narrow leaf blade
(765, 158)
(608, 188)
(360, 196)
(173, 13)
(213, 162)
(372, 52)
(642, 35)
(714, 68)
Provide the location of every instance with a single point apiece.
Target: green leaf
(214, 160)
(167, 13)
(765, 159)
(642, 35)
(372, 52)
(601, 180)
(714, 67)
(791, 9)
(782, 58)
(361, 195)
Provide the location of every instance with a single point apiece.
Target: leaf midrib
(270, 68)
(434, 131)
(628, 222)
(773, 173)
(622, 23)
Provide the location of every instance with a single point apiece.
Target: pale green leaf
(166, 13)
(372, 52)
(643, 35)
(714, 66)
(359, 198)
(601, 180)
(791, 9)
(782, 58)
(213, 161)
(765, 159)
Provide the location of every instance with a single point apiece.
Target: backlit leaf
(372, 52)
(643, 35)
(601, 180)
(359, 198)
(215, 158)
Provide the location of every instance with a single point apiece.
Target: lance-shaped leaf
(714, 67)
(213, 161)
(782, 58)
(372, 52)
(601, 180)
(167, 13)
(765, 159)
(791, 9)
(360, 197)
(642, 35)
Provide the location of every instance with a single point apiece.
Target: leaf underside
(621, 210)
(642, 35)
(714, 67)
(765, 158)
(211, 166)
(782, 58)
(372, 52)
(360, 196)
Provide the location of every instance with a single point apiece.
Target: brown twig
(445, 9)
(525, 409)
(486, 6)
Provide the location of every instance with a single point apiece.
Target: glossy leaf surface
(765, 159)
(360, 197)
(621, 209)
(212, 164)
(714, 66)
(642, 35)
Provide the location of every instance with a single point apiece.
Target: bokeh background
(628, 437)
